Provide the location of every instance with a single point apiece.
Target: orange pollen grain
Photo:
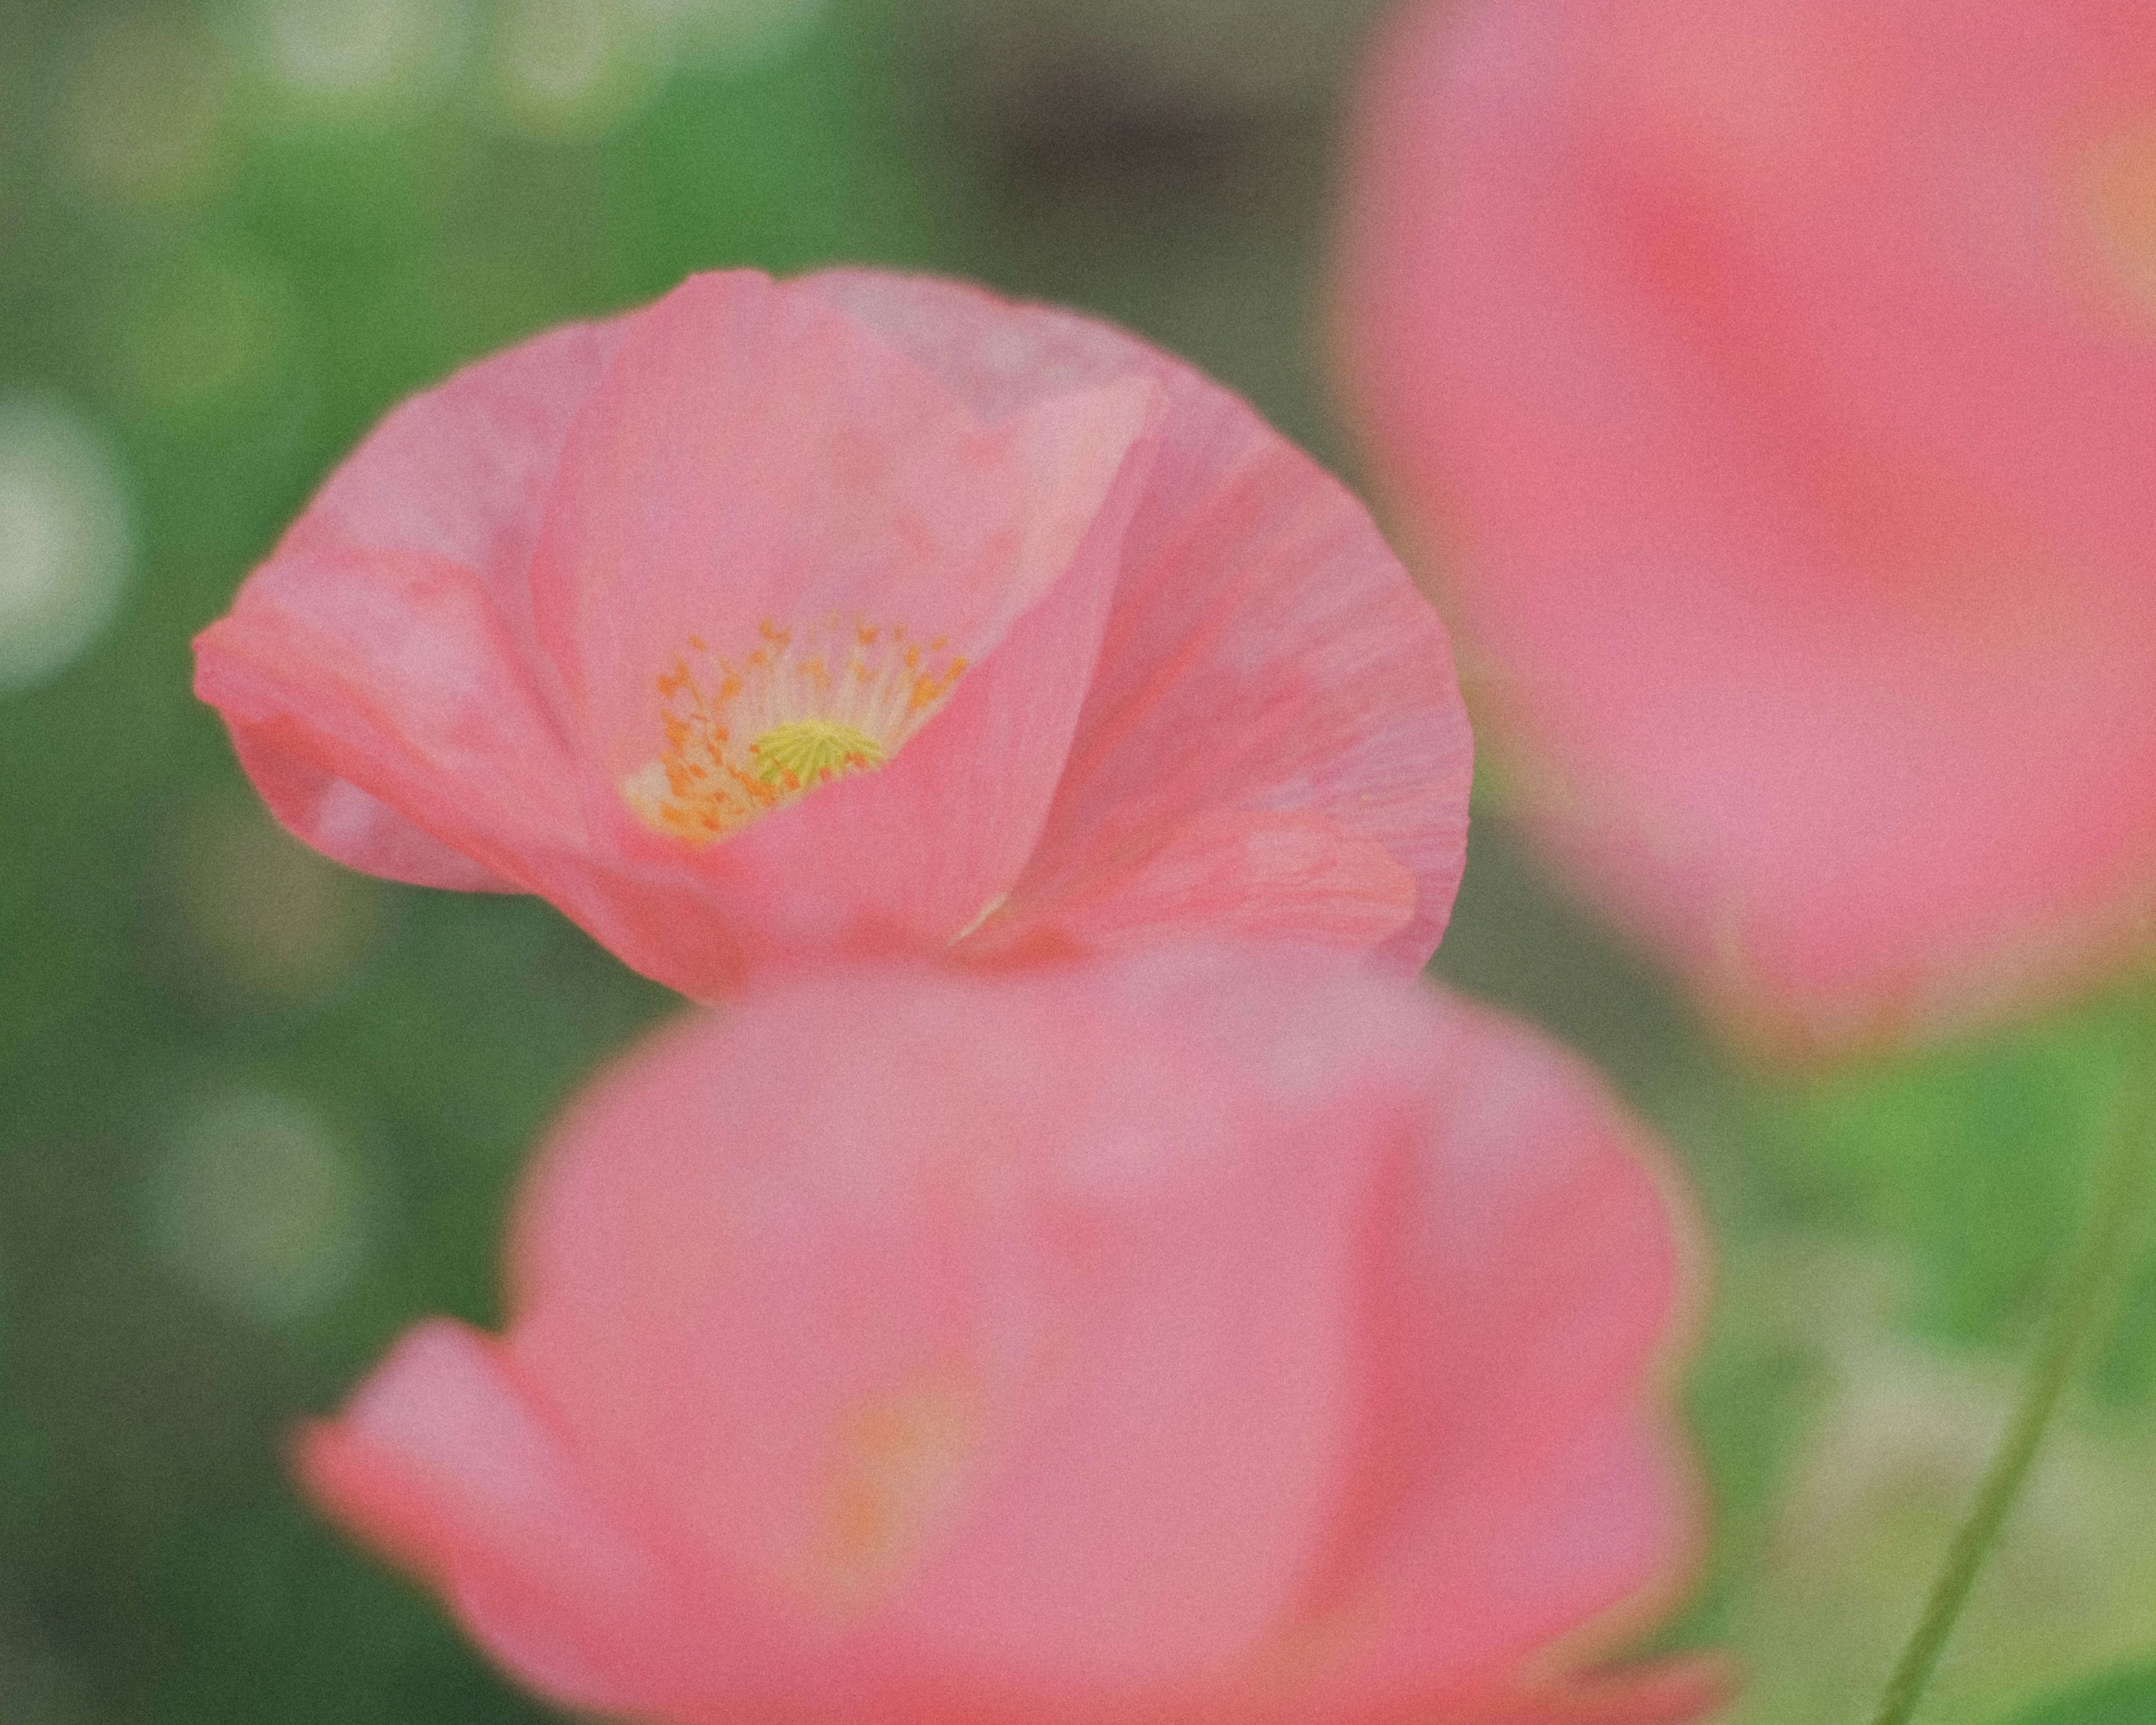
(736, 738)
(900, 1464)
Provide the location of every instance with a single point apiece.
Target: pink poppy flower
(858, 611)
(1774, 390)
(1155, 1339)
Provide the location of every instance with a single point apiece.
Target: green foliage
(1883, 1237)
(1975, 1161)
(2122, 1698)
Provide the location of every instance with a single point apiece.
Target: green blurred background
(257, 1114)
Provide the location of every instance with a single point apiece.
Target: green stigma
(803, 752)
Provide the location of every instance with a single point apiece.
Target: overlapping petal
(1175, 1340)
(857, 611)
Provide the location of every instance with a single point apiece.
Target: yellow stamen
(815, 704)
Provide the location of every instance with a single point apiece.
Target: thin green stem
(2123, 1179)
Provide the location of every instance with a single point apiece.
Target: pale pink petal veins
(456, 477)
(752, 456)
(1264, 656)
(1290, 877)
(1775, 387)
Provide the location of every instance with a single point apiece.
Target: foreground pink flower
(1159, 1341)
(1774, 388)
(855, 611)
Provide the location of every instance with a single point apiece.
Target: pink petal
(356, 683)
(753, 482)
(1112, 1337)
(1264, 656)
(1775, 388)
(964, 1348)
(680, 514)
(685, 509)
(455, 476)
(463, 471)
(907, 857)
(1279, 877)
(444, 1463)
(378, 700)
(1528, 1486)
(1093, 1320)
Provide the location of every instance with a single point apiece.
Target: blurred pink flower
(1146, 1340)
(1772, 390)
(857, 611)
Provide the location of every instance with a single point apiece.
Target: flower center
(901, 1465)
(841, 699)
(2121, 189)
(803, 752)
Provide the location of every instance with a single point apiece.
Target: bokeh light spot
(67, 539)
(360, 55)
(145, 114)
(734, 34)
(258, 1208)
(272, 917)
(575, 69)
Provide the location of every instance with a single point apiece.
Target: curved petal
(900, 859)
(690, 538)
(377, 699)
(1265, 655)
(906, 857)
(1770, 389)
(444, 1463)
(687, 507)
(950, 821)
(463, 471)
(989, 1348)
(1276, 877)
(337, 818)
(779, 617)
(999, 356)
(1528, 1489)
(454, 477)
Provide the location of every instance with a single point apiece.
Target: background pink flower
(859, 610)
(1772, 390)
(1160, 1340)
